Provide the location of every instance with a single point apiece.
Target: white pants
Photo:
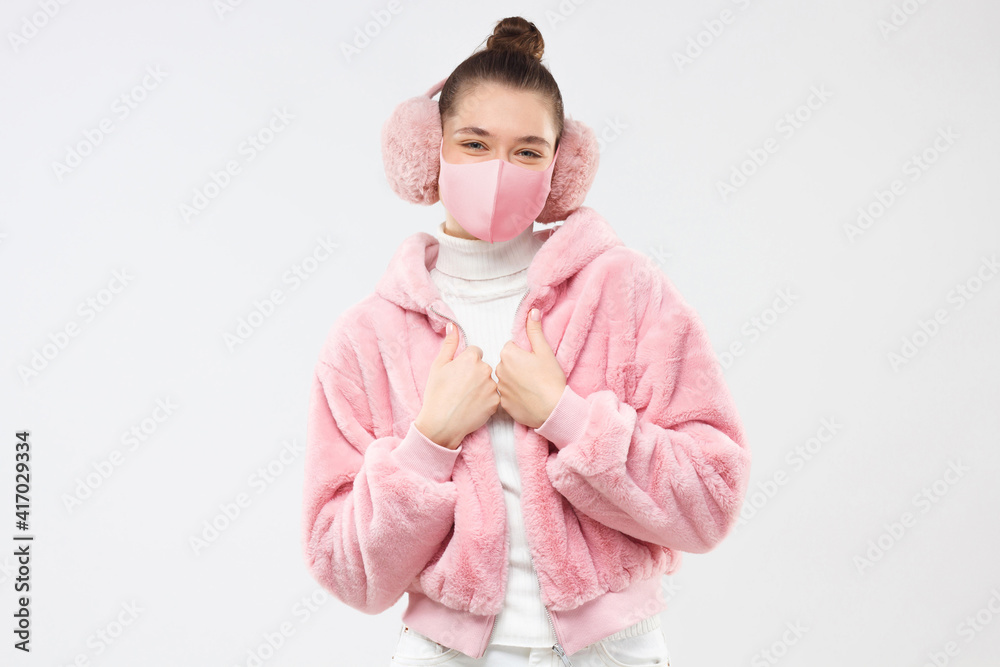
(640, 645)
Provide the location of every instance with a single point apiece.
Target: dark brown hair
(513, 58)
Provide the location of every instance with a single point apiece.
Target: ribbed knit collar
(567, 249)
(475, 259)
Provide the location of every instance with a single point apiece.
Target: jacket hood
(567, 249)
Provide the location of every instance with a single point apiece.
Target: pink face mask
(494, 200)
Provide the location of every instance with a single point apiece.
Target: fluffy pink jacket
(644, 456)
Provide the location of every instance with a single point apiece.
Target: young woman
(521, 430)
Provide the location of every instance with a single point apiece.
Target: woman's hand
(460, 395)
(531, 382)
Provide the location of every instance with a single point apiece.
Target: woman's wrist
(438, 438)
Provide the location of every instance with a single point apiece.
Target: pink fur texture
(644, 456)
(411, 137)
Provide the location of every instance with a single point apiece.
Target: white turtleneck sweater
(483, 284)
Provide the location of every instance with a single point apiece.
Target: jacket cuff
(568, 420)
(421, 454)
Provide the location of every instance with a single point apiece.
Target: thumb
(535, 335)
(448, 345)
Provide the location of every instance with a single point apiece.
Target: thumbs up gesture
(530, 382)
(460, 394)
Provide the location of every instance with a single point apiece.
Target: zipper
(464, 338)
(557, 647)
(493, 628)
(518, 309)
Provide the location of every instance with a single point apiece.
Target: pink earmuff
(411, 141)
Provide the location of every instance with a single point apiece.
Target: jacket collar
(567, 249)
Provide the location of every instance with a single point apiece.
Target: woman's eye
(476, 145)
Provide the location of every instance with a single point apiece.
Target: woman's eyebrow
(526, 139)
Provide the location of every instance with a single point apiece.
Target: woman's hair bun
(517, 34)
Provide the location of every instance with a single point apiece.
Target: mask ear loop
(432, 91)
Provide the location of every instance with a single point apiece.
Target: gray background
(672, 132)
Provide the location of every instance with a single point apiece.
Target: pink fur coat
(644, 456)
